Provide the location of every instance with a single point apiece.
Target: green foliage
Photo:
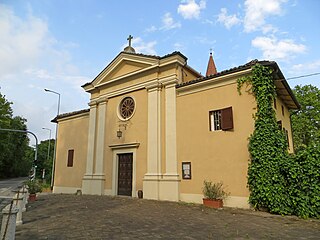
(13, 146)
(213, 190)
(303, 182)
(45, 158)
(306, 121)
(33, 186)
(278, 182)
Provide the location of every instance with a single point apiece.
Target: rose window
(126, 107)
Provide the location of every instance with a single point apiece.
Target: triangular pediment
(122, 66)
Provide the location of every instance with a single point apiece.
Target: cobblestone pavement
(61, 217)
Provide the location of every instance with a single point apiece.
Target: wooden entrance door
(125, 174)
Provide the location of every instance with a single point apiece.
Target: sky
(63, 44)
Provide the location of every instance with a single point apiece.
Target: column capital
(170, 81)
(153, 86)
(102, 100)
(93, 103)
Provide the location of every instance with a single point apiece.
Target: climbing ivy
(274, 176)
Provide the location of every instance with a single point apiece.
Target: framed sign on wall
(186, 170)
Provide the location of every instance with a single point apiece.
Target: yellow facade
(72, 135)
(169, 123)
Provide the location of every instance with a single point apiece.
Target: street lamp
(48, 145)
(55, 143)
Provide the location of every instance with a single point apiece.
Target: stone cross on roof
(129, 39)
(129, 48)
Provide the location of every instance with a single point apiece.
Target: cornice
(124, 145)
(169, 80)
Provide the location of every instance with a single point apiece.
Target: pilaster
(102, 106)
(151, 178)
(94, 179)
(91, 137)
(169, 187)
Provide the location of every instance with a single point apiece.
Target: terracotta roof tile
(224, 72)
(64, 115)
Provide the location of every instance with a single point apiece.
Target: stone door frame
(122, 149)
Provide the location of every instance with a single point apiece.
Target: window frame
(70, 158)
(221, 119)
(120, 106)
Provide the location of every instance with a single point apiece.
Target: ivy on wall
(274, 177)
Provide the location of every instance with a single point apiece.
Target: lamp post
(55, 143)
(48, 145)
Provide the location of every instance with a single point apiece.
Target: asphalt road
(8, 185)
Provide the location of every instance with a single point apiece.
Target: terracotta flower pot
(32, 197)
(214, 203)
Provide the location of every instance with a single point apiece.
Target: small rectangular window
(70, 158)
(282, 109)
(221, 119)
(286, 133)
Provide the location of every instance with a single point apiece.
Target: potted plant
(33, 187)
(214, 194)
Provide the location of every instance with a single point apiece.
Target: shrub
(213, 190)
(33, 186)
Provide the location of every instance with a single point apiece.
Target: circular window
(126, 107)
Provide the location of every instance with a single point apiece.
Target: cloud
(256, 11)
(227, 20)
(267, 28)
(33, 59)
(205, 40)
(306, 67)
(178, 47)
(27, 46)
(168, 22)
(143, 47)
(151, 29)
(207, 21)
(275, 49)
(190, 9)
(22, 42)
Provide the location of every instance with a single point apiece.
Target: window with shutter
(70, 158)
(221, 119)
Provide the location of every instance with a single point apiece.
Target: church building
(158, 127)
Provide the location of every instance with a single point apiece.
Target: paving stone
(58, 216)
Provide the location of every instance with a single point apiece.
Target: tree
(5, 117)
(13, 146)
(43, 161)
(306, 121)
